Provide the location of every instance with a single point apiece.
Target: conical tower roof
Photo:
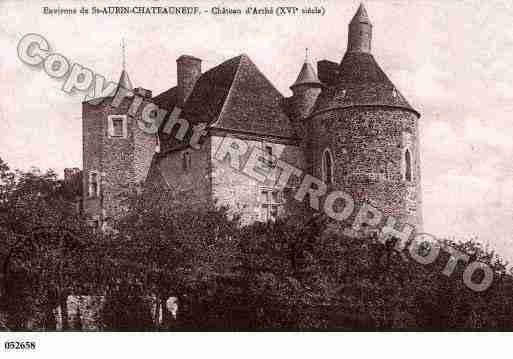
(361, 82)
(306, 76)
(361, 16)
(124, 81)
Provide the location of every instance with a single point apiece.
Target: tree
(41, 248)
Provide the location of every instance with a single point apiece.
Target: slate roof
(167, 99)
(361, 82)
(361, 15)
(124, 82)
(358, 81)
(234, 95)
(307, 76)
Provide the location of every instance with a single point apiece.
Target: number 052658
(15, 345)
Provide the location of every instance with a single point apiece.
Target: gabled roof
(236, 96)
(210, 92)
(307, 76)
(361, 82)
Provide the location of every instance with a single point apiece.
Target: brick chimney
(188, 69)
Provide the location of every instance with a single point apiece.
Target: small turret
(124, 81)
(360, 32)
(306, 89)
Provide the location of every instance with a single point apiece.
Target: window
(390, 171)
(407, 166)
(268, 158)
(327, 167)
(117, 126)
(340, 95)
(272, 200)
(157, 143)
(94, 186)
(94, 223)
(269, 151)
(186, 161)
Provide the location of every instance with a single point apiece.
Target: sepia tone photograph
(330, 166)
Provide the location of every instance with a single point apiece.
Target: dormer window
(117, 126)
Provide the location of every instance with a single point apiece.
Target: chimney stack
(188, 69)
(327, 72)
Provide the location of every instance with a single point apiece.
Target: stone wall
(368, 147)
(304, 100)
(93, 129)
(121, 162)
(238, 190)
(188, 187)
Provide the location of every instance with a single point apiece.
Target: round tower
(305, 89)
(364, 134)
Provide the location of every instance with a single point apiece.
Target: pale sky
(453, 61)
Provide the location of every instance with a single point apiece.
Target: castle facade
(345, 124)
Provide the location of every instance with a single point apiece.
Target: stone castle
(345, 123)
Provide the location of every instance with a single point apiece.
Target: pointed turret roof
(361, 15)
(306, 76)
(124, 81)
(361, 81)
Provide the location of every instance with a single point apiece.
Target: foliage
(42, 238)
(287, 275)
(126, 309)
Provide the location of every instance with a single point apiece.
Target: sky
(452, 60)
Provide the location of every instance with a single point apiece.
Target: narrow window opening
(186, 161)
(269, 151)
(94, 188)
(327, 167)
(268, 159)
(408, 170)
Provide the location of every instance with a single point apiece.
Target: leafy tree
(291, 274)
(41, 246)
(126, 309)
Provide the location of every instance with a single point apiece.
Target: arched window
(407, 165)
(327, 167)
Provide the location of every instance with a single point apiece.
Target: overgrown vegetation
(281, 276)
